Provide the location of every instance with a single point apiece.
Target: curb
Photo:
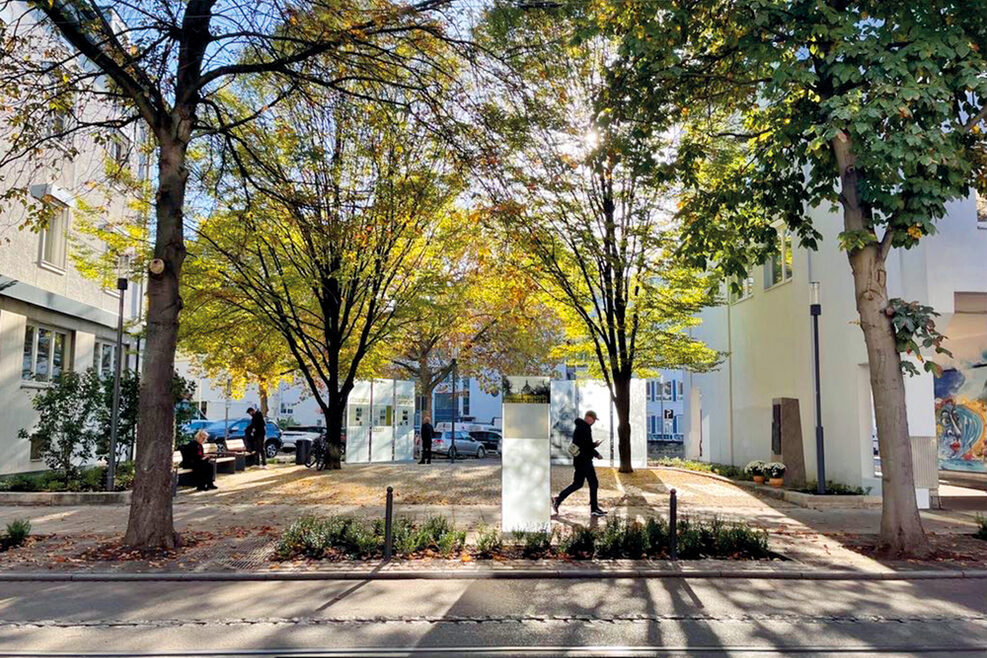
(498, 574)
(69, 498)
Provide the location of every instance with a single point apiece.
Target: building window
(287, 409)
(680, 386)
(666, 390)
(651, 386)
(103, 358)
(746, 289)
(53, 236)
(36, 455)
(44, 353)
(778, 267)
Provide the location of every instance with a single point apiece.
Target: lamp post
(123, 266)
(455, 406)
(815, 310)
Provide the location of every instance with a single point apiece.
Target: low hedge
(92, 478)
(346, 538)
(726, 470)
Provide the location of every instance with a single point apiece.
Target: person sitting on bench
(194, 459)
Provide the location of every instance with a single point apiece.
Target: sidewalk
(234, 529)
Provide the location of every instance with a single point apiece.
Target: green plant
(656, 536)
(16, 534)
(981, 532)
(775, 470)
(610, 543)
(836, 489)
(755, 468)
(713, 538)
(635, 540)
(488, 541)
(579, 542)
(451, 542)
(536, 544)
(725, 470)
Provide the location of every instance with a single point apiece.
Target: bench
(237, 449)
(222, 464)
(179, 476)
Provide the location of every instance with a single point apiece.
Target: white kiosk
(526, 455)
(379, 421)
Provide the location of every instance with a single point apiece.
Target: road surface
(496, 618)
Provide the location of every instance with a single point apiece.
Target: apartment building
(52, 318)
(766, 332)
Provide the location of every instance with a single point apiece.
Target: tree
(587, 197)
(477, 302)
(873, 107)
(326, 239)
(166, 66)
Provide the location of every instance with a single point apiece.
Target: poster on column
(404, 428)
(382, 434)
(358, 424)
(526, 454)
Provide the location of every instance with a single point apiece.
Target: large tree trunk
(150, 524)
(622, 401)
(901, 526)
(334, 428)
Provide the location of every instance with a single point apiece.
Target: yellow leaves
(915, 232)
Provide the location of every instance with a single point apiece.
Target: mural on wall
(961, 417)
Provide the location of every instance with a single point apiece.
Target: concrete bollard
(673, 534)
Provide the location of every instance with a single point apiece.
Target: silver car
(466, 445)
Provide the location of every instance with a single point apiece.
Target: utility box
(786, 439)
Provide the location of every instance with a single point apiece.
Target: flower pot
(758, 479)
(776, 482)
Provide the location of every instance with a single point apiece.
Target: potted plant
(756, 470)
(776, 473)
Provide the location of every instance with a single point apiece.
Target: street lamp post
(455, 408)
(123, 265)
(815, 310)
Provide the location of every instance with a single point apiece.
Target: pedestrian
(256, 432)
(194, 458)
(583, 450)
(427, 433)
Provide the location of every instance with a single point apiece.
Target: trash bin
(303, 448)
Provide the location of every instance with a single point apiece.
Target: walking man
(427, 433)
(582, 463)
(256, 432)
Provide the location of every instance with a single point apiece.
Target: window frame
(36, 328)
(783, 260)
(746, 289)
(98, 357)
(44, 237)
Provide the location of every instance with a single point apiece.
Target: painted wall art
(961, 417)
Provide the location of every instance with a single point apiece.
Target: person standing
(257, 432)
(427, 433)
(582, 464)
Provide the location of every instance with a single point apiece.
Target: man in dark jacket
(193, 458)
(582, 464)
(256, 435)
(427, 433)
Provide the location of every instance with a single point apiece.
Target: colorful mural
(961, 418)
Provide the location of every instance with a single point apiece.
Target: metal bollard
(388, 517)
(673, 535)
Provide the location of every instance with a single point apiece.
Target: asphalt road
(497, 618)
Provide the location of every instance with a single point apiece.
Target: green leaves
(915, 332)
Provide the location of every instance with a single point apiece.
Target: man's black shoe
(212, 486)
(555, 505)
(598, 512)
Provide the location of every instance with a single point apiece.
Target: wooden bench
(179, 476)
(237, 449)
(221, 463)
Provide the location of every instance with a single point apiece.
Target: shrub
(536, 544)
(16, 534)
(836, 489)
(451, 542)
(726, 470)
(579, 542)
(715, 539)
(488, 541)
(610, 543)
(981, 532)
(656, 536)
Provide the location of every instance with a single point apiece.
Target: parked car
(489, 439)
(193, 426)
(465, 445)
(292, 434)
(272, 441)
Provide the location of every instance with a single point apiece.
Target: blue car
(217, 433)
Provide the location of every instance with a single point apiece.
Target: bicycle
(318, 455)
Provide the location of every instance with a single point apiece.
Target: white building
(766, 332)
(52, 318)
